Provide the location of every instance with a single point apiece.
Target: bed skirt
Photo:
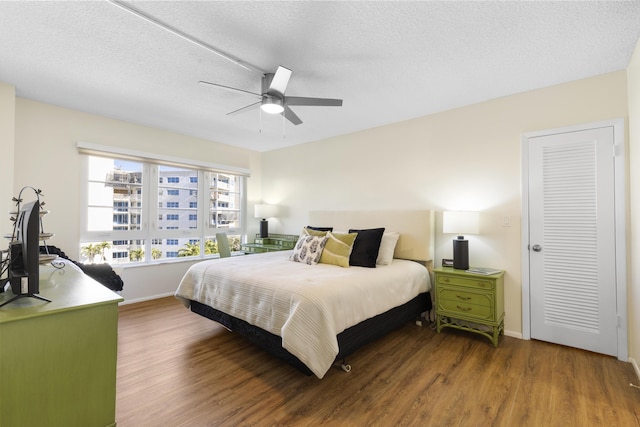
(349, 340)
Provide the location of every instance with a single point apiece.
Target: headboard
(416, 240)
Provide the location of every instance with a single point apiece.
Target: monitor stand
(24, 296)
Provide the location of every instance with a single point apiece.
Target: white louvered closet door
(572, 239)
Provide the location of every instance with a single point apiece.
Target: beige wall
(467, 158)
(7, 139)
(46, 157)
(633, 77)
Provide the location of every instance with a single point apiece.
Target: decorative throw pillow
(308, 249)
(320, 228)
(387, 247)
(337, 249)
(313, 232)
(366, 247)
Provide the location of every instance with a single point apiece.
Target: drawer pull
(463, 298)
(445, 279)
(463, 308)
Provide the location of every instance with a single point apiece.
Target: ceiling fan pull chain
(282, 125)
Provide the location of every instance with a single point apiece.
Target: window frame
(149, 232)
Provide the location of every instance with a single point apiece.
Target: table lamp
(460, 223)
(264, 212)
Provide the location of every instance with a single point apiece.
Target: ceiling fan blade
(279, 82)
(229, 88)
(321, 102)
(247, 108)
(291, 116)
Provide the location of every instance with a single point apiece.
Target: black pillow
(320, 228)
(366, 247)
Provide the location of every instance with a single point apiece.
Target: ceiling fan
(273, 99)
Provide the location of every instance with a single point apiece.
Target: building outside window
(188, 206)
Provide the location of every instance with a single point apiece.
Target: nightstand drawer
(456, 295)
(470, 302)
(465, 310)
(467, 282)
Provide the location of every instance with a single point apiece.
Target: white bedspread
(306, 305)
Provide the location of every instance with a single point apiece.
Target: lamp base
(460, 254)
(264, 229)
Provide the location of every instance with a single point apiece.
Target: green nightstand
(470, 302)
(273, 243)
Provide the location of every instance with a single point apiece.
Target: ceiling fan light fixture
(272, 105)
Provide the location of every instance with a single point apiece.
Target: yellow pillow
(337, 249)
(311, 232)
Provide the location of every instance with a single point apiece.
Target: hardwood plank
(176, 368)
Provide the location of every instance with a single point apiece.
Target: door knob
(536, 248)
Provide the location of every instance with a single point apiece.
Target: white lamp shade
(460, 222)
(265, 211)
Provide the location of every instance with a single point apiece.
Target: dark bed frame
(349, 340)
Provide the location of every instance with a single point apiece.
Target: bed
(314, 315)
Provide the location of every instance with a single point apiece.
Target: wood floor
(176, 368)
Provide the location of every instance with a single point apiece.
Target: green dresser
(470, 302)
(58, 358)
(275, 242)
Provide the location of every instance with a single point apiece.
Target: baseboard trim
(634, 363)
(512, 334)
(149, 298)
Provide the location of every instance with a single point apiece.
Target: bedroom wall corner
(7, 144)
(254, 195)
(633, 303)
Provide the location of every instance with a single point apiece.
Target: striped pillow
(338, 249)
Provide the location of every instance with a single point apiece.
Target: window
(120, 219)
(224, 201)
(139, 211)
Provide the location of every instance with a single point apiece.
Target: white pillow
(308, 249)
(387, 247)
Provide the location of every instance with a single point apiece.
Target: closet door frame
(620, 218)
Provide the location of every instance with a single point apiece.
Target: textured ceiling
(389, 61)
